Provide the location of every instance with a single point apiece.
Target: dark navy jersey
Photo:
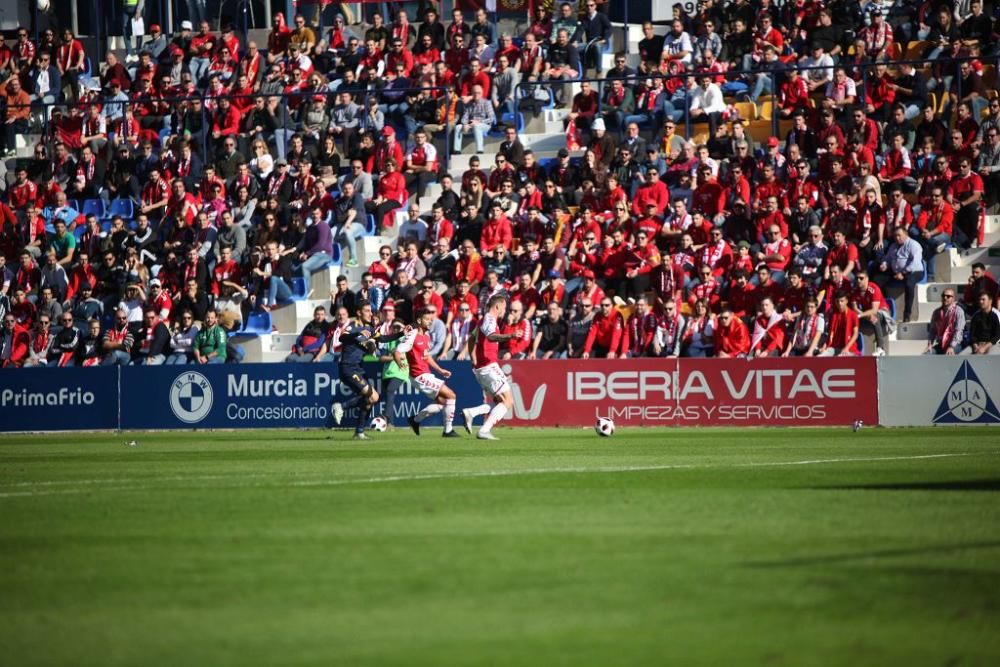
(359, 339)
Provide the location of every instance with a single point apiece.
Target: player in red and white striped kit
(415, 346)
(485, 348)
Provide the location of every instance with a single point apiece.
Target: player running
(415, 346)
(485, 348)
(358, 339)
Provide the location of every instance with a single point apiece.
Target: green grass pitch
(551, 547)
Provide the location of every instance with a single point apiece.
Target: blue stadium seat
(370, 224)
(93, 207)
(335, 258)
(299, 289)
(547, 164)
(258, 323)
(123, 206)
(164, 133)
(515, 119)
(79, 231)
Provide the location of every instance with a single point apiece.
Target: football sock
(363, 417)
(355, 401)
(480, 409)
(449, 414)
(496, 414)
(431, 409)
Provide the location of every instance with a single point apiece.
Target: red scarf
(272, 189)
(672, 326)
(711, 254)
(805, 330)
(87, 169)
(946, 326)
(762, 326)
(696, 325)
(40, 342)
(129, 127)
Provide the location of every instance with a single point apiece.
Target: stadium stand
(634, 202)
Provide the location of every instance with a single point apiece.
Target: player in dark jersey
(357, 340)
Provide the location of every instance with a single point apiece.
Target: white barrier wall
(923, 391)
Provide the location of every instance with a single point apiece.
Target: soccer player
(416, 346)
(491, 378)
(358, 339)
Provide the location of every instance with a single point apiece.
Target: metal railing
(526, 88)
(205, 97)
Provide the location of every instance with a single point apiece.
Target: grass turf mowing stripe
(129, 485)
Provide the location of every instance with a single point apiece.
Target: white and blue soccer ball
(379, 424)
(604, 427)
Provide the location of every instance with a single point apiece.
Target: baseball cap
(389, 305)
(319, 98)
(155, 282)
(281, 162)
(186, 25)
(772, 142)
(743, 244)
(597, 124)
(587, 273)
(154, 28)
(387, 131)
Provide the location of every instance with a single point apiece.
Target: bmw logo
(191, 397)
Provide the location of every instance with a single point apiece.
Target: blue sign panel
(59, 399)
(259, 396)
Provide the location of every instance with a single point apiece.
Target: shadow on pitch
(957, 485)
(877, 553)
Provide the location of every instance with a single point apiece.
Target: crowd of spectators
(225, 175)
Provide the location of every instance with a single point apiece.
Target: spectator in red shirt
(605, 332)
(652, 191)
(873, 311)
(842, 331)
(390, 195)
(732, 338)
(775, 253)
(768, 338)
(933, 228)
(844, 254)
(966, 194)
(496, 232)
(523, 334)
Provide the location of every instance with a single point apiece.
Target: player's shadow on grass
(956, 485)
(877, 553)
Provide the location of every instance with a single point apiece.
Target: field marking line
(138, 484)
(617, 469)
(113, 480)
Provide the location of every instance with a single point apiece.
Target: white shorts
(492, 380)
(429, 385)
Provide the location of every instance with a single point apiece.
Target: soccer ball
(379, 424)
(43, 5)
(604, 427)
